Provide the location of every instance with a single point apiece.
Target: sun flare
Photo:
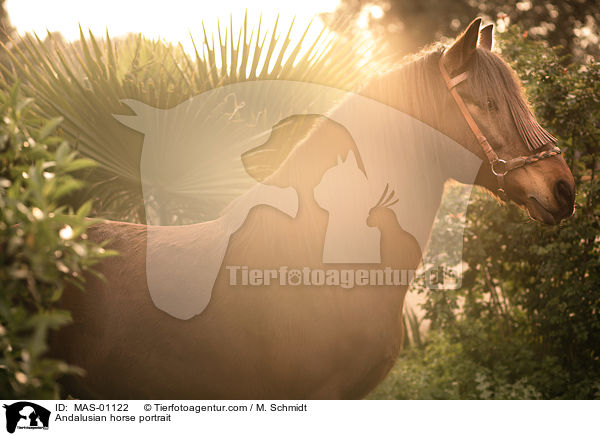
(174, 21)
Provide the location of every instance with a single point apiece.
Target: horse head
(493, 97)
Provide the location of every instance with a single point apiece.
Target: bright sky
(170, 19)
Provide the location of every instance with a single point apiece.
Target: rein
(500, 167)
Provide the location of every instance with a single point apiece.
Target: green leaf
(49, 127)
(62, 153)
(77, 165)
(85, 209)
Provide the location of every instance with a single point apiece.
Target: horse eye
(492, 106)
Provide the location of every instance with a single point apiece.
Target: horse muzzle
(564, 199)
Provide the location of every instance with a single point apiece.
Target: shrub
(43, 246)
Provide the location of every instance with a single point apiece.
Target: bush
(42, 246)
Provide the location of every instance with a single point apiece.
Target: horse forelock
(415, 87)
(490, 77)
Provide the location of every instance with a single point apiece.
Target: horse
(309, 342)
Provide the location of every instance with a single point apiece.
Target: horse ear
(486, 37)
(461, 52)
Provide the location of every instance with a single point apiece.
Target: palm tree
(83, 82)
(6, 29)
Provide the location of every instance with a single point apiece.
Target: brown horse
(301, 342)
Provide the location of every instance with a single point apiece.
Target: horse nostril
(565, 196)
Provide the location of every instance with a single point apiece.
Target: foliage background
(407, 25)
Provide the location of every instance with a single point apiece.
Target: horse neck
(415, 90)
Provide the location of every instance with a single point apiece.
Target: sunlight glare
(376, 11)
(172, 21)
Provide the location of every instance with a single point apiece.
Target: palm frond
(84, 81)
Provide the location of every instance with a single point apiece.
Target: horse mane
(411, 86)
(416, 79)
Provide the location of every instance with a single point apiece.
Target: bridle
(500, 167)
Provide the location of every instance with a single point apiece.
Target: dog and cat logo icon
(26, 415)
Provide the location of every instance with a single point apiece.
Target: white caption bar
(76, 417)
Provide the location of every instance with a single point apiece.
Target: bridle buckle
(499, 167)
